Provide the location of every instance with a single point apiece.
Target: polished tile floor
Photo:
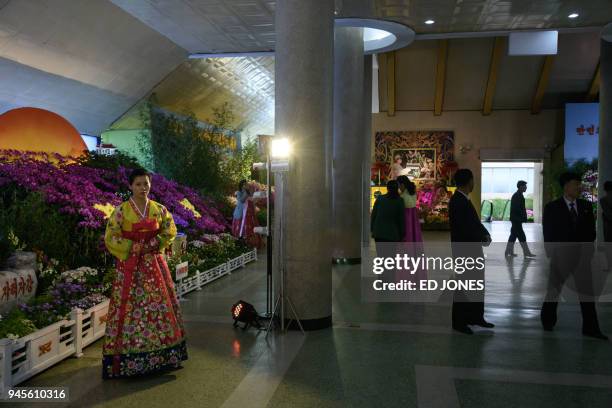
(376, 355)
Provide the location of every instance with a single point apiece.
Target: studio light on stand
(280, 151)
(265, 149)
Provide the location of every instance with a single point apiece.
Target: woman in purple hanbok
(413, 238)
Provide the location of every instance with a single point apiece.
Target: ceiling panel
(415, 76)
(517, 81)
(209, 25)
(467, 73)
(573, 69)
(87, 59)
(491, 15)
(200, 85)
(88, 108)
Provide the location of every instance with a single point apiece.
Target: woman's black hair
(408, 185)
(411, 188)
(241, 184)
(403, 181)
(392, 187)
(138, 173)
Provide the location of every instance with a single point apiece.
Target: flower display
(432, 205)
(447, 172)
(81, 199)
(83, 274)
(185, 203)
(90, 194)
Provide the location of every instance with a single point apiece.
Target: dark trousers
(468, 306)
(386, 249)
(517, 232)
(571, 262)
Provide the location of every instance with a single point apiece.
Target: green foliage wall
(200, 156)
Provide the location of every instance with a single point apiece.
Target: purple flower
(74, 189)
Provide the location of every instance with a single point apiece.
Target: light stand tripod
(279, 205)
(267, 230)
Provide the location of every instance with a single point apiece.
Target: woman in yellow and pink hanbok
(144, 331)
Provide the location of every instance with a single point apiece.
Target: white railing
(200, 279)
(29, 355)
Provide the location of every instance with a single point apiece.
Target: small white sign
(182, 270)
(533, 43)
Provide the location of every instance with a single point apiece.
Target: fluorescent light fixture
(381, 38)
(429, 22)
(379, 35)
(280, 148)
(573, 15)
(533, 43)
(374, 34)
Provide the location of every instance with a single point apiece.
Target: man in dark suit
(518, 215)
(569, 233)
(468, 236)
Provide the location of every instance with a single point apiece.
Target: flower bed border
(200, 279)
(27, 356)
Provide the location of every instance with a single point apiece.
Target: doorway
(499, 184)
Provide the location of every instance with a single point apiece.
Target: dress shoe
(548, 328)
(484, 323)
(529, 255)
(510, 255)
(595, 334)
(463, 329)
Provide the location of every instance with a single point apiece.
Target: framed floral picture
(416, 163)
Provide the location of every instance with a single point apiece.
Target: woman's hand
(151, 246)
(137, 248)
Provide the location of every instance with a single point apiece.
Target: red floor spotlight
(245, 312)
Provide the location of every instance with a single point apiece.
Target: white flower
(197, 244)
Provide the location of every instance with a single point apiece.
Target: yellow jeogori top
(124, 217)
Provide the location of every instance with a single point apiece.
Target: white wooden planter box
(200, 279)
(29, 355)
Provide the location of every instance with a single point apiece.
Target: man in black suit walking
(518, 215)
(569, 233)
(468, 236)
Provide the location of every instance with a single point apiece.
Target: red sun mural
(39, 130)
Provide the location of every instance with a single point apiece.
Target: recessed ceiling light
(379, 35)
(429, 22)
(573, 15)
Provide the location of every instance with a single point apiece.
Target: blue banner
(581, 131)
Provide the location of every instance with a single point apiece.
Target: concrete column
(367, 148)
(304, 90)
(349, 124)
(605, 124)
